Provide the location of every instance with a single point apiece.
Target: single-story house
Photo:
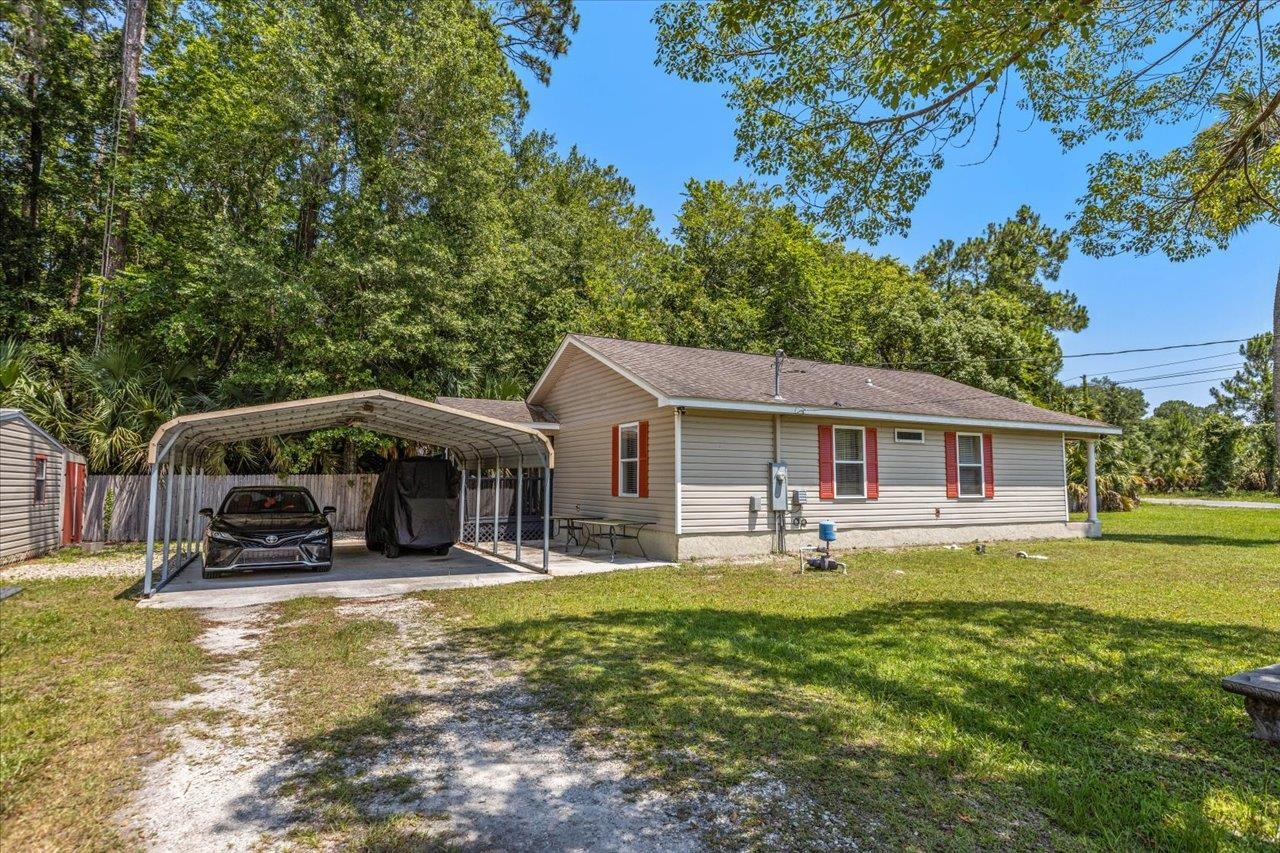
(730, 453)
(41, 490)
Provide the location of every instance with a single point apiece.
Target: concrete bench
(1261, 691)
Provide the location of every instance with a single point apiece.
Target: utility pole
(1084, 386)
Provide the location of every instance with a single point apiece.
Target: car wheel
(391, 550)
(440, 551)
(326, 567)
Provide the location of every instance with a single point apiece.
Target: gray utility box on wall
(778, 494)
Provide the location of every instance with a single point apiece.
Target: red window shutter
(826, 463)
(988, 467)
(953, 473)
(643, 464)
(613, 460)
(873, 464)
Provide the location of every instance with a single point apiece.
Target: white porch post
(546, 519)
(1091, 474)
(476, 536)
(519, 505)
(497, 489)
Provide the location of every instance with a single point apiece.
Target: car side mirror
(329, 510)
(207, 512)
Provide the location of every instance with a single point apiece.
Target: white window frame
(981, 465)
(898, 439)
(40, 492)
(622, 479)
(836, 462)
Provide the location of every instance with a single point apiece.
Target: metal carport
(179, 451)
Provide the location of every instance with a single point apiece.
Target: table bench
(615, 530)
(1261, 691)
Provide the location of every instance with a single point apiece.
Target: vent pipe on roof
(778, 356)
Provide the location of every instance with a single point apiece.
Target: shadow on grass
(934, 722)
(1192, 539)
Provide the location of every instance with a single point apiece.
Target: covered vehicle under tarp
(415, 507)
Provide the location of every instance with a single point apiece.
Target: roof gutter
(893, 417)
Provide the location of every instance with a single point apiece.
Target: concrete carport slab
(357, 573)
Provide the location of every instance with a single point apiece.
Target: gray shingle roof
(688, 372)
(513, 411)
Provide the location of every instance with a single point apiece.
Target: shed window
(41, 471)
(969, 465)
(629, 460)
(908, 436)
(851, 462)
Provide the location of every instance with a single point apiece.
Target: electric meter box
(778, 486)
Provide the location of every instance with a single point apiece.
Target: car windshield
(267, 500)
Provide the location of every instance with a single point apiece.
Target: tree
(856, 106)
(1249, 396)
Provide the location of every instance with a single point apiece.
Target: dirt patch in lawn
(456, 753)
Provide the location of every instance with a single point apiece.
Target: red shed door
(73, 505)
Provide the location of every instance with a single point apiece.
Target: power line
(1006, 359)
(1169, 363)
(1192, 382)
(1156, 349)
(1215, 369)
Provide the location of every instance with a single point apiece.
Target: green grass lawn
(81, 671)
(934, 698)
(1265, 497)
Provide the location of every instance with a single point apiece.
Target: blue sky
(609, 99)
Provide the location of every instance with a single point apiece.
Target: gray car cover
(415, 505)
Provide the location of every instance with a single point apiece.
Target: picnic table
(1261, 691)
(615, 530)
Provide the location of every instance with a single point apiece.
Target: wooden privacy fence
(350, 494)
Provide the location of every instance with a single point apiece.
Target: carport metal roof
(468, 436)
(180, 446)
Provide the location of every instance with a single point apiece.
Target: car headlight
(318, 533)
(219, 536)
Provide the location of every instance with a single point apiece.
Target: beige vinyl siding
(726, 456)
(587, 399)
(28, 528)
(725, 461)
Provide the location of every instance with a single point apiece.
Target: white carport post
(462, 509)
(148, 578)
(168, 510)
(180, 544)
(476, 532)
(192, 476)
(519, 504)
(546, 515)
(497, 489)
(151, 527)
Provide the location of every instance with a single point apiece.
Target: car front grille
(270, 555)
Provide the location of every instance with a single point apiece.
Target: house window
(908, 436)
(850, 462)
(629, 460)
(969, 464)
(41, 469)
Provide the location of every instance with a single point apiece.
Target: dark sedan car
(267, 527)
